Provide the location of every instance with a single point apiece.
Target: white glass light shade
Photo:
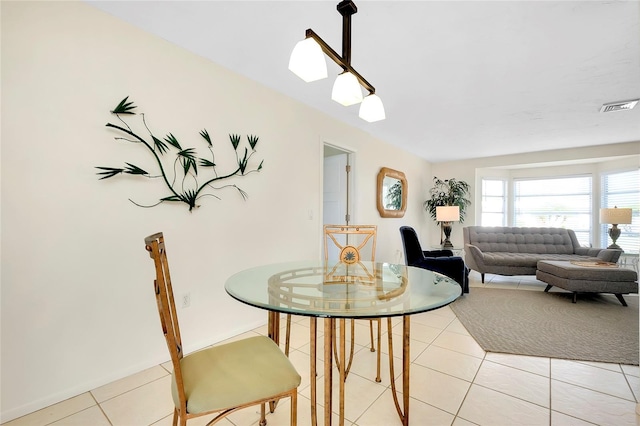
(346, 89)
(448, 213)
(372, 109)
(307, 61)
(615, 216)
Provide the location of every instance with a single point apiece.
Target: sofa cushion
(591, 286)
(521, 240)
(526, 259)
(572, 271)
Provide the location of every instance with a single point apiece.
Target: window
(563, 202)
(494, 199)
(622, 189)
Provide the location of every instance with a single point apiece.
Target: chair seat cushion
(235, 374)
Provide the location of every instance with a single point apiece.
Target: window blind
(493, 202)
(562, 202)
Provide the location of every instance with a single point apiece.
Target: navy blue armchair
(442, 261)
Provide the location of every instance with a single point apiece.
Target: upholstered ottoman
(588, 277)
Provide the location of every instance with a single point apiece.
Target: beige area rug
(530, 322)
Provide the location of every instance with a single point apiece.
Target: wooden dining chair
(353, 245)
(224, 378)
(349, 245)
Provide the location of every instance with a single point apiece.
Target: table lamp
(445, 215)
(615, 216)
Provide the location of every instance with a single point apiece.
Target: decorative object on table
(448, 192)
(183, 185)
(308, 63)
(445, 215)
(594, 264)
(224, 378)
(615, 217)
(392, 190)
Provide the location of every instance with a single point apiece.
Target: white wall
(77, 304)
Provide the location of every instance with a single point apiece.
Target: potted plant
(448, 192)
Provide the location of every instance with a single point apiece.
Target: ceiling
(459, 79)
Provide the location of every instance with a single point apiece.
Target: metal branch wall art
(186, 169)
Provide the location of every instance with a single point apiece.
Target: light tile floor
(453, 382)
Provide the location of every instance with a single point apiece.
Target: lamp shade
(307, 61)
(615, 216)
(448, 213)
(371, 109)
(346, 89)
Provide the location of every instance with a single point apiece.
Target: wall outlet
(185, 300)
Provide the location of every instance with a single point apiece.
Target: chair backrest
(154, 244)
(350, 243)
(412, 248)
(346, 245)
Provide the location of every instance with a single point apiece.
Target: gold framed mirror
(391, 193)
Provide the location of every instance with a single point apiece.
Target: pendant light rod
(339, 59)
(346, 9)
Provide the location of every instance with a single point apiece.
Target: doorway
(337, 187)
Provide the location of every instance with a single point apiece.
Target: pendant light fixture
(372, 109)
(308, 63)
(346, 89)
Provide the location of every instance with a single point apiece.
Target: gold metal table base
(329, 330)
(406, 363)
(273, 330)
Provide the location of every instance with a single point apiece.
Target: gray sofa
(506, 250)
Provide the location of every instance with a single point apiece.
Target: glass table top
(359, 290)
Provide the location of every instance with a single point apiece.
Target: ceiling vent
(619, 106)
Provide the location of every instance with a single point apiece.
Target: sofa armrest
(609, 255)
(588, 251)
(437, 253)
(474, 257)
(453, 267)
(606, 255)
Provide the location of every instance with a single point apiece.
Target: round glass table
(338, 292)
